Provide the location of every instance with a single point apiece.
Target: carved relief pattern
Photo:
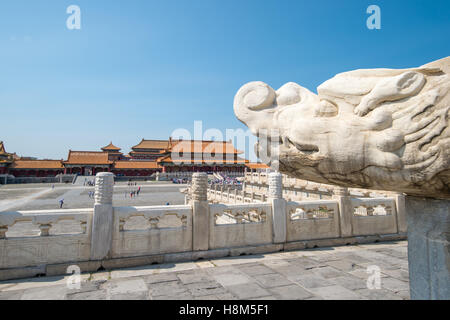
(104, 188)
(155, 218)
(199, 187)
(240, 215)
(367, 210)
(298, 212)
(275, 186)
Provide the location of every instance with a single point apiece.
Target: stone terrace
(325, 273)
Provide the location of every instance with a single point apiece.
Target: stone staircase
(80, 180)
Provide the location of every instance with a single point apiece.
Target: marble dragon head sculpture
(383, 129)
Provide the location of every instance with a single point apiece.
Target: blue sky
(141, 69)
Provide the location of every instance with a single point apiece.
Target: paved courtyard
(323, 273)
(44, 197)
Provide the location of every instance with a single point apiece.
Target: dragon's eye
(326, 109)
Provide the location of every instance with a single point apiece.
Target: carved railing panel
(240, 215)
(312, 220)
(237, 225)
(30, 238)
(44, 223)
(373, 207)
(307, 189)
(152, 230)
(374, 216)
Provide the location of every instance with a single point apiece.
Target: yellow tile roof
(152, 144)
(168, 159)
(87, 157)
(37, 164)
(199, 146)
(111, 147)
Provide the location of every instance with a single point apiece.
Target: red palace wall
(35, 173)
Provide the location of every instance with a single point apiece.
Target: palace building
(113, 152)
(6, 159)
(87, 163)
(144, 159)
(150, 150)
(205, 156)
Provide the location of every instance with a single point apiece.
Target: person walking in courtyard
(61, 202)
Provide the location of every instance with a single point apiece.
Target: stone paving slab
(291, 292)
(311, 280)
(44, 197)
(314, 274)
(335, 292)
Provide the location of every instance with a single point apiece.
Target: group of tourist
(226, 180)
(90, 183)
(180, 181)
(133, 193)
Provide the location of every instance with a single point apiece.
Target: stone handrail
(194, 230)
(48, 248)
(44, 219)
(298, 185)
(151, 213)
(227, 194)
(156, 239)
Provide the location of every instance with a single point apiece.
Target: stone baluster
(345, 211)
(200, 212)
(102, 221)
(275, 181)
(428, 248)
(235, 195)
(400, 208)
(275, 186)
